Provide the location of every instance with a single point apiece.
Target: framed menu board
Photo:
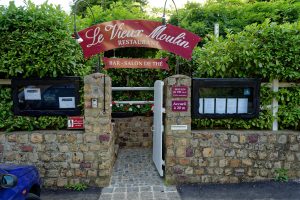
(223, 98)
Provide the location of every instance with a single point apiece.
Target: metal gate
(158, 127)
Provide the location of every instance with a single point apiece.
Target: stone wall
(62, 157)
(218, 156)
(133, 131)
(67, 157)
(231, 156)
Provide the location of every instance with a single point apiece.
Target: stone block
(234, 163)
(253, 138)
(50, 138)
(89, 156)
(262, 155)
(2, 138)
(223, 163)
(218, 152)
(180, 152)
(207, 152)
(282, 139)
(90, 138)
(184, 161)
(77, 157)
(62, 182)
(12, 138)
(189, 171)
(247, 162)
(36, 138)
(63, 148)
(22, 138)
(242, 153)
(189, 152)
(229, 153)
(26, 148)
(92, 173)
(1, 148)
(294, 147)
(242, 139)
(53, 173)
(80, 173)
(234, 138)
(239, 172)
(199, 171)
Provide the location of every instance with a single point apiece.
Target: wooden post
(275, 86)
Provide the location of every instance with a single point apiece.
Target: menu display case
(223, 98)
(48, 96)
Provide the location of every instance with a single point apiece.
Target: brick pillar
(177, 142)
(99, 136)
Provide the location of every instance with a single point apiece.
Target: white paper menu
(231, 105)
(220, 105)
(32, 93)
(209, 105)
(242, 105)
(66, 102)
(201, 105)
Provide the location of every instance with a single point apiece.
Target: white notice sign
(209, 105)
(201, 105)
(66, 102)
(231, 105)
(220, 105)
(242, 105)
(32, 94)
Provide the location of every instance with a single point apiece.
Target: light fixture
(163, 18)
(77, 36)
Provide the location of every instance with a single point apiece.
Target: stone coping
(66, 131)
(246, 131)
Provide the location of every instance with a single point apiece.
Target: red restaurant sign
(137, 33)
(136, 63)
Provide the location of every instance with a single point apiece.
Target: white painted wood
(158, 127)
(134, 102)
(131, 88)
(5, 82)
(275, 87)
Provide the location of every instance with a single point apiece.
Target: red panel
(137, 33)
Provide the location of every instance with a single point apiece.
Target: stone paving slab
(135, 178)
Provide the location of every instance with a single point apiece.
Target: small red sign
(135, 63)
(76, 122)
(180, 91)
(179, 106)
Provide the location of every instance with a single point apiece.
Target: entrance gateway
(147, 34)
(157, 128)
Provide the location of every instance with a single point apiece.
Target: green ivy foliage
(233, 16)
(267, 51)
(36, 42)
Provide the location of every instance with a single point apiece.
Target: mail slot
(223, 98)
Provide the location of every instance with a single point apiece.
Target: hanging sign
(137, 33)
(136, 63)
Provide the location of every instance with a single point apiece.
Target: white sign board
(179, 127)
(66, 102)
(32, 94)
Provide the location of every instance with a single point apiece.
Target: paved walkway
(135, 178)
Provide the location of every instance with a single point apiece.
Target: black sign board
(221, 98)
(47, 96)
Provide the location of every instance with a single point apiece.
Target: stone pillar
(99, 136)
(177, 149)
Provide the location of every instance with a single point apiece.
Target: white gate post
(275, 87)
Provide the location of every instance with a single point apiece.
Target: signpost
(136, 63)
